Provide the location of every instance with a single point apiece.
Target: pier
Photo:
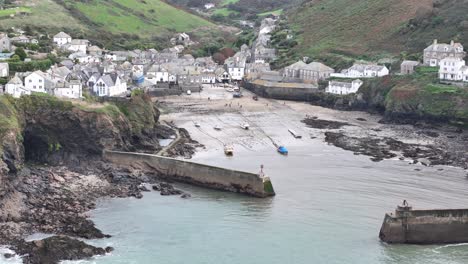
(253, 184)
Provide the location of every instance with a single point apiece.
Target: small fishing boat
(217, 128)
(283, 150)
(294, 133)
(228, 150)
(197, 124)
(230, 90)
(245, 126)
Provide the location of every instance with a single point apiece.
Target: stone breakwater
(195, 173)
(425, 226)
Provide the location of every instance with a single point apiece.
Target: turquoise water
(328, 209)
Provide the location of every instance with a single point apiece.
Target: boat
(230, 90)
(237, 95)
(294, 133)
(197, 124)
(245, 126)
(189, 92)
(228, 150)
(217, 127)
(283, 150)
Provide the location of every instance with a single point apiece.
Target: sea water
(328, 209)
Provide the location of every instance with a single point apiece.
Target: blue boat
(282, 150)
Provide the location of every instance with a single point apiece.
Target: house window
(40, 80)
(30, 80)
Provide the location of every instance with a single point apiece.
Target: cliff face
(49, 130)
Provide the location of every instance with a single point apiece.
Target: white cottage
(4, 69)
(363, 71)
(453, 69)
(39, 82)
(62, 38)
(72, 89)
(110, 85)
(341, 87)
(16, 88)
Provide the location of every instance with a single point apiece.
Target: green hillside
(374, 28)
(109, 20)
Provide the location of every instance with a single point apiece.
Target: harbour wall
(195, 173)
(425, 226)
(281, 92)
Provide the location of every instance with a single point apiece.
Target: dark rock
(185, 196)
(361, 119)
(109, 249)
(324, 124)
(8, 255)
(55, 249)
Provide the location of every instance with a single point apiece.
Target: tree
(21, 53)
(219, 58)
(227, 52)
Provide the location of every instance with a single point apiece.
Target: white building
(4, 69)
(453, 69)
(78, 45)
(209, 6)
(156, 74)
(5, 42)
(110, 85)
(62, 38)
(363, 71)
(16, 88)
(339, 87)
(208, 78)
(38, 82)
(72, 89)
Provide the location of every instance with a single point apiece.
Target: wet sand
(270, 120)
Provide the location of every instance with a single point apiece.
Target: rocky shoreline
(447, 145)
(55, 200)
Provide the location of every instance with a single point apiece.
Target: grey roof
(442, 47)
(15, 80)
(366, 67)
(409, 63)
(109, 79)
(62, 35)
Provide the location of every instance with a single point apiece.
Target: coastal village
(145, 120)
(88, 69)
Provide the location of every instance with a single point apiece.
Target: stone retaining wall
(195, 173)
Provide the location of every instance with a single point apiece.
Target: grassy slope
(134, 16)
(351, 26)
(146, 19)
(44, 14)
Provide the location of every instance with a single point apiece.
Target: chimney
(452, 43)
(435, 41)
(305, 59)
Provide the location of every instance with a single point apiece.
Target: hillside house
(313, 71)
(4, 69)
(453, 69)
(61, 39)
(408, 66)
(183, 39)
(363, 71)
(39, 82)
(209, 6)
(156, 74)
(5, 43)
(342, 87)
(439, 51)
(110, 85)
(16, 88)
(72, 89)
(77, 45)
